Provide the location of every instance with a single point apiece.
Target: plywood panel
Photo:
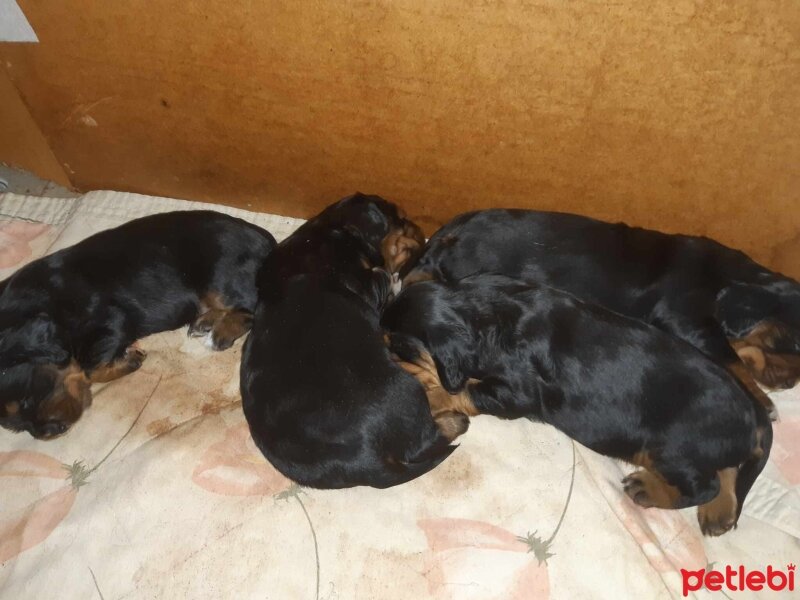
(21, 142)
(675, 114)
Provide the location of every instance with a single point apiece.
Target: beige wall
(676, 114)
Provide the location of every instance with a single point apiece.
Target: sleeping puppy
(325, 403)
(616, 385)
(717, 299)
(71, 319)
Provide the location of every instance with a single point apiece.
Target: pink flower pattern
(25, 528)
(15, 241)
(459, 552)
(786, 449)
(235, 467)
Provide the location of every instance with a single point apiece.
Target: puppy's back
(324, 402)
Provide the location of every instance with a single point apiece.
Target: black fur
(691, 287)
(81, 308)
(324, 401)
(614, 384)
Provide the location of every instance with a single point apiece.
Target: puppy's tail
(752, 467)
(402, 471)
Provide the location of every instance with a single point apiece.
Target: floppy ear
(37, 340)
(741, 306)
(453, 364)
(373, 224)
(371, 249)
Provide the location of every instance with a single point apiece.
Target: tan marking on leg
(648, 489)
(719, 515)
(424, 369)
(642, 459)
(230, 328)
(449, 411)
(441, 401)
(127, 364)
(427, 377)
(745, 376)
(225, 324)
(12, 408)
(212, 301)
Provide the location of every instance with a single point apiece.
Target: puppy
(616, 385)
(325, 403)
(711, 296)
(70, 319)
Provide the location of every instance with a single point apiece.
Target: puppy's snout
(50, 430)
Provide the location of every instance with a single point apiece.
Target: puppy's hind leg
(221, 323)
(230, 328)
(743, 371)
(719, 515)
(671, 486)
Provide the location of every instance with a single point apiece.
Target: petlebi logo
(739, 579)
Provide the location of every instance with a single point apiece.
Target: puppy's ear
(452, 364)
(37, 340)
(376, 217)
(372, 223)
(741, 306)
(370, 249)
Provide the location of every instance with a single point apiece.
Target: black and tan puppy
(616, 385)
(325, 403)
(711, 296)
(70, 319)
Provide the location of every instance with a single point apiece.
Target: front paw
(134, 357)
(203, 324)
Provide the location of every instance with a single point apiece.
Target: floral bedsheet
(159, 492)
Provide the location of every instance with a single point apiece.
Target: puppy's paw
(219, 341)
(634, 486)
(134, 357)
(229, 329)
(452, 424)
(773, 414)
(719, 515)
(203, 325)
(648, 490)
(712, 524)
(397, 284)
